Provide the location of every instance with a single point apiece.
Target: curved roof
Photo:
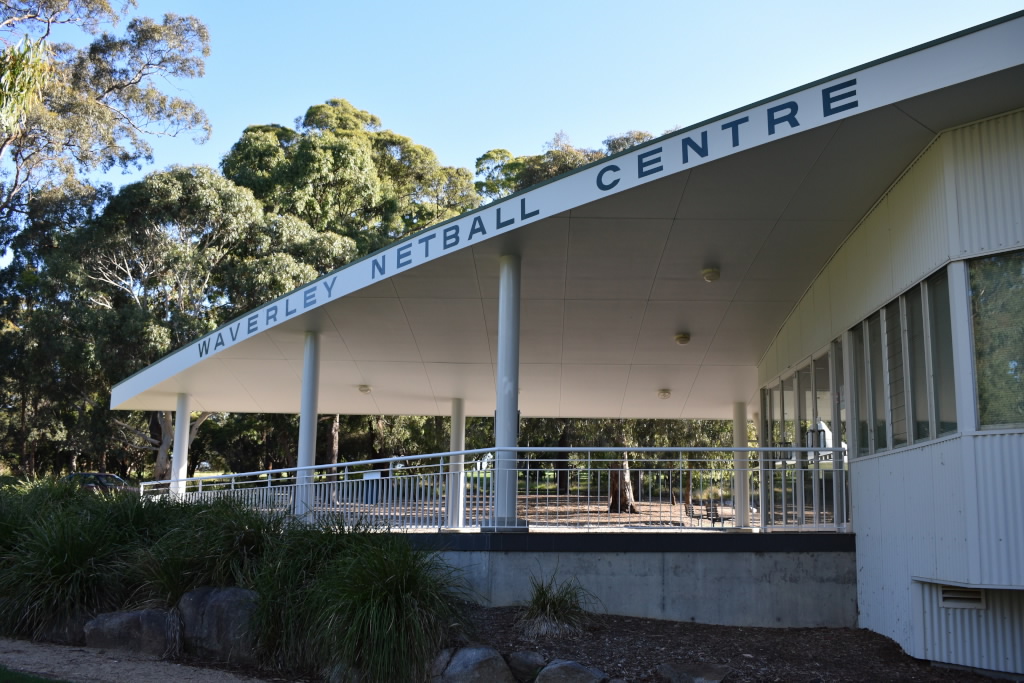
(612, 256)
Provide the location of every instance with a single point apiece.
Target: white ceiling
(605, 288)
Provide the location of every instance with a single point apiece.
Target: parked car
(100, 482)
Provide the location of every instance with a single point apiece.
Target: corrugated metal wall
(962, 197)
(912, 520)
(950, 511)
(999, 471)
(988, 638)
(989, 171)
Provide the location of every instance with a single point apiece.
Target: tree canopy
(340, 172)
(74, 109)
(101, 283)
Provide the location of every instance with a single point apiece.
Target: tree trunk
(161, 428)
(561, 460)
(332, 447)
(620, 489)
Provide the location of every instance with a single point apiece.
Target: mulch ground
(631, 649)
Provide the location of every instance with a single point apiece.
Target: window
(919, 395)
(997, 313)
(902, 357)
(894, 363)
(942, 344)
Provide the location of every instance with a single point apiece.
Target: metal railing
(792, 489)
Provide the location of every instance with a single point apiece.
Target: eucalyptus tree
(175, 255)
(88, 108)
(341, 173)
(501, 174)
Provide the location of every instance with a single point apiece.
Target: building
(863, 242)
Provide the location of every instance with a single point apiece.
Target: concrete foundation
(735, 580)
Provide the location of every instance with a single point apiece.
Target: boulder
(692, 673)
(139, 631)
(473, 665)
(563, 671)
(526, 665)
(66, 631)
(215, 624)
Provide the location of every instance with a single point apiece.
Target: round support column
(506, 416)
(456, 486)
(307, 425)
(741, 487)
(179, 453)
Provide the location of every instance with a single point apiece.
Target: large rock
(140, 631)
(215, 624)
(471, 665)
(67, 631)
(563, 671)
(692, 673)
(526, 665)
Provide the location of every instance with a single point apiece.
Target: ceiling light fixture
(683, 338)
(364, 388)
(710, 274)
(664, 394)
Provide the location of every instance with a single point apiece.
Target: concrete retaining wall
(730, 579)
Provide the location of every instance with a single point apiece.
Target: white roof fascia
(938, 65)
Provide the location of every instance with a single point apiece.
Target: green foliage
(8, 676)
(24, 70)
(381, 609)
(555, 608)
(63, 563)
(502, 174)
(220, 543)
(95, 104)
(341, 174)
(284, 611)
(331, 600)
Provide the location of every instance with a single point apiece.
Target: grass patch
(380, 611)
(555, 608)
(8, 676)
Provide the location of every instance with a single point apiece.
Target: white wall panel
(840, 293)
(950, 511)
(822, 312)
(1000, 509)
(912, 519)
(989, 169)
(989, 638)
(918, 219)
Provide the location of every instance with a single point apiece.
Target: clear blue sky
(466, 77)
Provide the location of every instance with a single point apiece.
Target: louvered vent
(956, 596)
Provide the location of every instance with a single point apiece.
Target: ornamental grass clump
(283, 613)
(555, 608)
(381, 610)
(217, 544)
(64, 562)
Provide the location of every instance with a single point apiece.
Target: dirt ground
(623, 647)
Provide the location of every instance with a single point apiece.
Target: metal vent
(959, 597)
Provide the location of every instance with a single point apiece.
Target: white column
(307, 424)
(179, 453)
(506, 417)
(741, 491)
(456, 489)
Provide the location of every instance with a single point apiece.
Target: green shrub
(282, 616)
(381, 609)
(64, 565)
(217, 544)
(555, 608)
